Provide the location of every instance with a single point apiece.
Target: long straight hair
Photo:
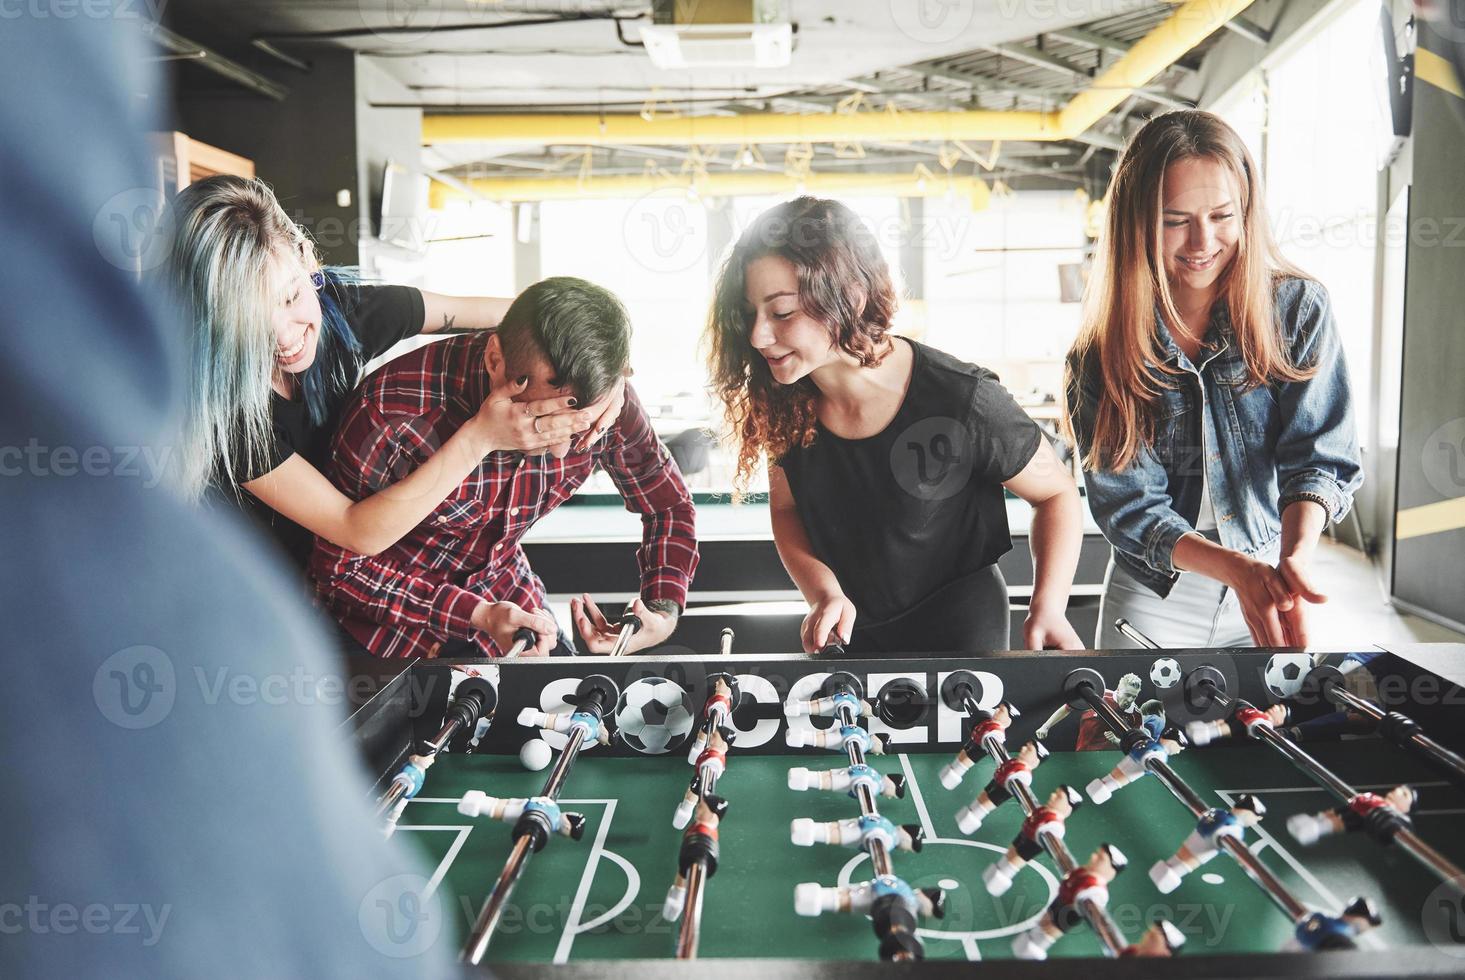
(844, 283)
(1129, 282)
(225, 271)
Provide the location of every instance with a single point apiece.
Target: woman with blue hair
(279, 341)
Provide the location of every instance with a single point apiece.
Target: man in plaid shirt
(459, 583)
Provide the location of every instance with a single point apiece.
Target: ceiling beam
(1103, 42)
(1249, 29)
(1041, 59)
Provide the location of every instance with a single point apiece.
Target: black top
(902, 513)
(380, 316)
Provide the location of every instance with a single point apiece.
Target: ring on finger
(536, 426)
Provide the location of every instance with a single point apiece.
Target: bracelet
(1316, 498)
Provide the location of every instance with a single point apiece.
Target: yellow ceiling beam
(739, 184)
(1190, 24)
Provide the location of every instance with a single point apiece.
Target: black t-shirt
(380, 316)
(902, 513)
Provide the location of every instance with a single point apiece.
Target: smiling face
(793, 343)
(1201, 223)
(296, 316)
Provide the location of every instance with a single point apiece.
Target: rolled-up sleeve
(1132, 506)
(651, 485)
(1317, 446)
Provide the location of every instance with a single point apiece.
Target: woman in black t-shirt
(279, 341)
(887, 458)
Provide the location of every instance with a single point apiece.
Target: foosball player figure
(988, 726)
(540, 811)
(1163, 938)
(1380, 816)
(1140, 746)
(699, 843)
(1088, 882)
(857, 832)
(1244, 720)
(838, 737)
(894, 908)
(998, 790)
(1322, 931)
(1047, 819)
(846, 779)
(1205, 841)
(712, 759)
(720, 704)
(563, 721)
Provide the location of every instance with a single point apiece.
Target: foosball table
(1253, 813)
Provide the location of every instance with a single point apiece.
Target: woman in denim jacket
(1208, 398)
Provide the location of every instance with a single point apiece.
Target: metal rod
(493, 906)
(691, 927)
(630, 625)
(725, 644)
(1418, 743)
(1096, 915)
(1182, 791)
(1412, 844)
(1124, 626)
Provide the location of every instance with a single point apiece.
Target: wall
(304, 146)
(382, 136)
(1429, 574)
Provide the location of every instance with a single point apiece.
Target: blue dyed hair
(338, 353)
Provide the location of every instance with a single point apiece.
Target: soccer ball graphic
(1285, 672)
(1165, 673)
(653, 715)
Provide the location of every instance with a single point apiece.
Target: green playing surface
(601, 897)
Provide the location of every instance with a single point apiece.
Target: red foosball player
(699, 843)
(1203, 842)
(1089, 882)
(1047, 819)
(999, 790)
(712, 760)
(1244, 720)
(989, 727)
(1163, 938)
(1380, 816)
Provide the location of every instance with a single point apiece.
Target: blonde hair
(225, 272)
(1128, 281)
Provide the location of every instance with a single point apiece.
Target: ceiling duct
(719, 34)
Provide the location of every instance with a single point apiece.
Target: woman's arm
(1259, 588)
(369, 526)
(462, 312)
(830, 612)
(1055, 538)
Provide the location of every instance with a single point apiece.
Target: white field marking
(1365, 939)
(970, 936)
(582, 893)
(447, 862)
(972, 952)
(633, 888)
(920, 801)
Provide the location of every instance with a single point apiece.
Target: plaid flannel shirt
(422, 590)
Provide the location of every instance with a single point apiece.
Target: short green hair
(581, 328)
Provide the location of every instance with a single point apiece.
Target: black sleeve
(383, 315)
(1004, 438)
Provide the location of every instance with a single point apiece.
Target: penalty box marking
(573, 927)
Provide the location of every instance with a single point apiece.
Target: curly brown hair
(844, 283)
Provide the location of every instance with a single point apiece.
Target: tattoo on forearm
(448, 321)
(667, 607)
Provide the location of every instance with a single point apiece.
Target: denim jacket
(1264, 448)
